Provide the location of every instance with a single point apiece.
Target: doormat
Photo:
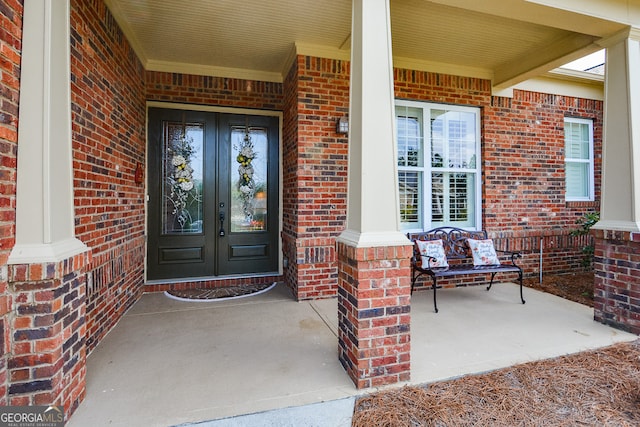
(217, 294)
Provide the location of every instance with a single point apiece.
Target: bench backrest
(454, 240)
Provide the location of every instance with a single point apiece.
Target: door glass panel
(182, 166)
(248, 179)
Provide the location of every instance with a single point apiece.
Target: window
(578, 142)
(438, 167)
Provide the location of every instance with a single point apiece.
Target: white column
(372, 205)
(620, 206)
(44, 194)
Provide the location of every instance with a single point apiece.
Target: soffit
(448, 34)
(256, 38)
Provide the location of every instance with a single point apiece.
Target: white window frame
(425, 213)
(591, 187)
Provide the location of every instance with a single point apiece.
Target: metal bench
(459, 257)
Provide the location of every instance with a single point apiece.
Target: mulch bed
(577, 287)
(592, 388)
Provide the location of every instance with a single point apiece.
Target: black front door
(213, 194)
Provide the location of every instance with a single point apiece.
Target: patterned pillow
(432, 248)
(483, 252)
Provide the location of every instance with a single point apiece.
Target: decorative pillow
(434, 249)
(483, 252)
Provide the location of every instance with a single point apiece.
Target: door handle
(221, 233)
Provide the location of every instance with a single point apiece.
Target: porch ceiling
(506, 40)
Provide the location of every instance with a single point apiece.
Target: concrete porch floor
(169, 362)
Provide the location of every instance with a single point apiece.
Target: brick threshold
(211, 282)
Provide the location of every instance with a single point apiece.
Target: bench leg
(491, 282)
(435, 304)
(414, 277)
(519, 280)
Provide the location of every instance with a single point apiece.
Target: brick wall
(523, 161)
(523, 171)
(290, 189)
(108, 123)
(10, 55)
(315, 174)
(213, 91)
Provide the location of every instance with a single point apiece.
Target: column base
(47, 364)
(617, 279)
(374, 305)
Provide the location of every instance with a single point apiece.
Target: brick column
(620, 207)
(374, 313)
(47, 363)
(617, 234)
(617, 279)
(373, 255)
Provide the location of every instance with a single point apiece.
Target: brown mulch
(577, 287)
(592, 388)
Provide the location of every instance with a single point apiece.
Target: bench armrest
(513, 254)
(417, 259)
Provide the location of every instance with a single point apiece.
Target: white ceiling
(507, 40)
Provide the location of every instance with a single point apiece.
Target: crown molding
(207, 70)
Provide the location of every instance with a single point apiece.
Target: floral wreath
(246, 183)
(181, 179)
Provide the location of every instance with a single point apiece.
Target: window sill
(582, 204)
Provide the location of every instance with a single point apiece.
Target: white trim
(632, 33)
(426, 107)
(398, 62)
(591, 184)
(46, 252)
(576, 76)
(563, 85)
(442, 68)
(210, 278)
(322, 51)
(213, 71)
(213, 109)
(617, 225)
(505, 93)
(117, 13)
(289, 61)
(373, 239)
(45, 230)
(620, 194)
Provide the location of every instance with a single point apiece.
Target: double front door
(213, 194)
